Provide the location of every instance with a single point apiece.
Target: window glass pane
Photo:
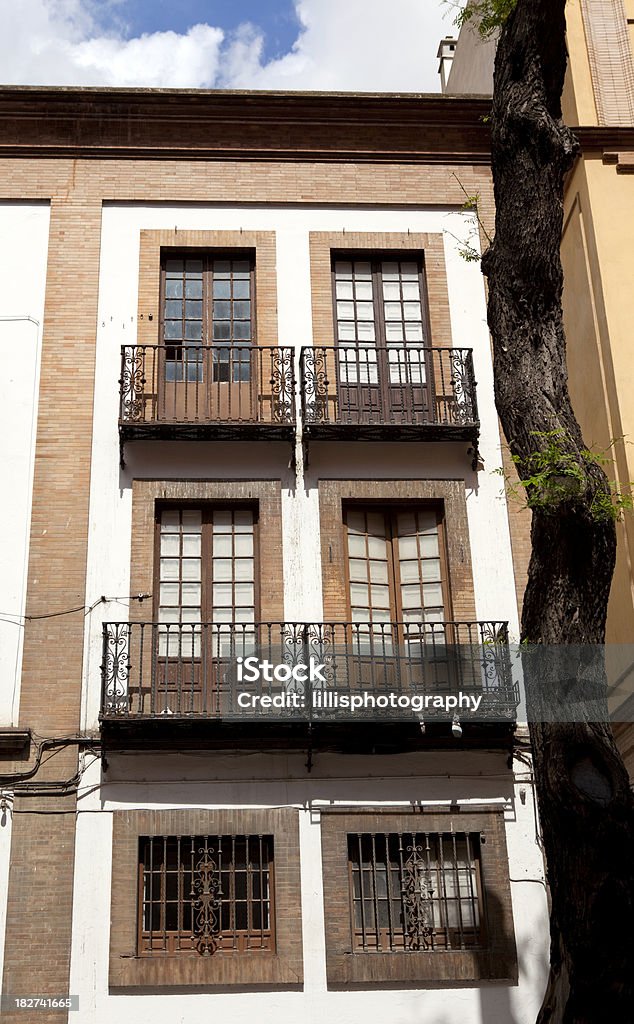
(432, 594)
(356, 545)
(394, 331)
(173, 289)
(169, 568)
(363, 290)
(378, 571)
(243, 521)
(244, 594)
(192, 519)
(221, 288)
(191, 569)
(243, 545)
(222, 569)
(241, 268)
(359, 568)
(170, 544)
(410, 290)
(343, 289)
(223, 546)
(345, 310)
(190, 593)
(173, 308)
(242, 289)
(343, 269)
(191, 544)
(194, 288)
(414, 332)
(362, 269)
(365, 311)
(222, 520)
(194, 330)
(380, 597)
(412, 310)
(244, 569)
(222, 594)
(366, 332)
(359, 595)
(169, 594)
(376, 547)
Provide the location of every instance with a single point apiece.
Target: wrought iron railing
(402, 387)
(197, 385)
(192, 670)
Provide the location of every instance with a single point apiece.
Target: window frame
(173, 937)
(208, 256)
(375, 257)
(347, 965)
(207, 507)
(390, 510)
(256, 968)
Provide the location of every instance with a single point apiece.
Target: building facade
(252, 415)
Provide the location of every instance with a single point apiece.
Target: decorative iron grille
(188, 669)
(205, 894)
(413, 892)
(356, 385)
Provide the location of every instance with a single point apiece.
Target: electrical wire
(87, 608)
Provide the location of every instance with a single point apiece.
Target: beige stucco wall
(598, 229)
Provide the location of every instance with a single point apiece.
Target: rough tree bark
(585, 803)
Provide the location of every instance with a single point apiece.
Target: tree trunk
(585, 803)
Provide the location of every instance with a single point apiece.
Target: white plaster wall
(23, 259)
(280, 780)
(110, 499)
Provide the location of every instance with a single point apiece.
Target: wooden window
(207, 300)
(205, 894)
(415, 891)
(380, 304)
(397, 568)
(206, 573)
(417, 895)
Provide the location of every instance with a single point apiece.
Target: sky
(365, 45)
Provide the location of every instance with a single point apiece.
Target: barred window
(205, 894)
(415, 891)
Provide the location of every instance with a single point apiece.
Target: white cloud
(365, 45)
(342, 44)
(59, 42)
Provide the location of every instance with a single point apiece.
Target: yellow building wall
(578, 102)
(599, 227)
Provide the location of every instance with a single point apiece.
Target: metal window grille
(415, 891)
(205, 894)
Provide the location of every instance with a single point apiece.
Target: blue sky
(355, 45)
(277, 18)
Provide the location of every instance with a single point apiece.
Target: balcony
(162, 679)
(203, 392)
(362, 392)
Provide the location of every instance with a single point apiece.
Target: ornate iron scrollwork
(463, 385)
(132, 384)
(418, 895)
(282, 383)
(116, 667)
(205, 896)
(314, 385)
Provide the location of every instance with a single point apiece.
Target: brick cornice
(200, 124)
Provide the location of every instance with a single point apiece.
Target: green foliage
(555, 474)
(488, 14)
(467, 250)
